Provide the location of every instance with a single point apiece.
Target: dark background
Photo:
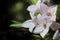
(12, 14)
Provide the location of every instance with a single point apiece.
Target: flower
(40, 20)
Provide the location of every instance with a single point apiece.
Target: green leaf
(16, 25)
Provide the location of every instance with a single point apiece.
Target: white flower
(40, 6)
(39, 28)
(38, 20)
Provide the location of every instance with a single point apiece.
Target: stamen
(44, 25)
(49, 14)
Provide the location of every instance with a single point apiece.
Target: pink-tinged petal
(32, 8)
(43, 8)
(55, 26)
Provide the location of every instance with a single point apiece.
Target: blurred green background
(20, 14)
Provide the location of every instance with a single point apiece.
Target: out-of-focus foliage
(17, 11)
(17, 7)
(32, 1)
(21, 14)
(58, 14)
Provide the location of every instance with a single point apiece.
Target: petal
(55, 34)
(32, 15)
(46, 0)
(32, 8)
(41, 19)
(43, 7)
(53, 10)
(44, 32)
(53, 18)
(38, 29)
(31, 28)
(35, 21)
(28, 24)
(38, 3)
